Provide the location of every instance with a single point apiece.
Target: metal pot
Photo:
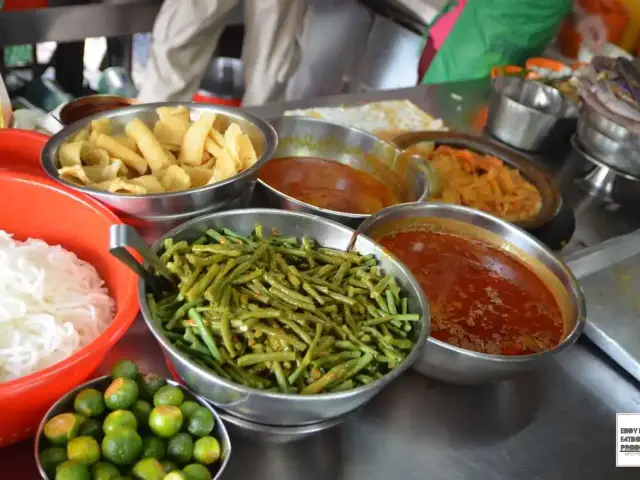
(608, 127)
(529, 115)
(281, 409)
(452, 364)
(161, 212)
(619, 152)
(311, 137)
(608, 182)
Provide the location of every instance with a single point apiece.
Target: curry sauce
(481, 298)
(328, 184)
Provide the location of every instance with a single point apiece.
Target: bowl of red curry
(501, 302)
(338, 172)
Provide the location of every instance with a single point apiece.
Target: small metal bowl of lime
(131, 425)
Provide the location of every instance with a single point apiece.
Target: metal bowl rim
(49, 151)
(578, 147)
(407, 362)
(305, 429)
(544, 87)
(594, 116)
(326, 211)
(71, 393)
(576, 291)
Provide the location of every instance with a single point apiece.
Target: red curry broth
(328, 184)
(482, 298)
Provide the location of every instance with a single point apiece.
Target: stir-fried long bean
(283, 314)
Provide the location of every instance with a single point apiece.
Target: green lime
(121, 394)
(83, 450)
(141, 409)
(149, 384)
(122, 446)
(180, 448)
(168, 395)
(195, 471)
(169, 466)
(89, 402)
(148, 469)
(124, 368)
(70, 470)
(201, 422)
(152, 447)
(91, 428)
(165, 420)
(188, 408)
(51, 457)
(104, 471)
(176, 475)
(120, 418)
(206, 450)
(62, 428)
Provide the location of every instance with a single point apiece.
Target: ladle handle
(121, 239)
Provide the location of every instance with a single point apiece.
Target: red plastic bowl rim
(112, 333)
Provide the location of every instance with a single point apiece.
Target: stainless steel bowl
(608, 127)
(619, 155)
(457, 365)
(529, 115)
(258, 432)
(311, 137)
(607, 182)
(278, 408)
(534, 173)
(65, 404)
(224, 78)
(83, 107)
(166, 210)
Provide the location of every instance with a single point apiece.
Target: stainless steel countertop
(555, 423)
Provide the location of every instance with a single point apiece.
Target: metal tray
(609, 275)
(551, 198)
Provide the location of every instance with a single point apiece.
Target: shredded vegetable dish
(285, 315)
(485, 183)
(481, 298)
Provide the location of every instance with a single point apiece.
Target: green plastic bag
(495, 32)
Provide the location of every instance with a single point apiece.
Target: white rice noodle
(51, 304)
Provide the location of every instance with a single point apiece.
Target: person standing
(185, 35)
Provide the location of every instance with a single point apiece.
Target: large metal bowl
(311, 137)
(65, 404)
(278, 408)
(166, 210)
(529, 115)
(458, 365)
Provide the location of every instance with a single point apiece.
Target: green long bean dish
(280, 314)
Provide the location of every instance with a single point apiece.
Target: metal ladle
(156, 276)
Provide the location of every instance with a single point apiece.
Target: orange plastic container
(204, 97)
(24, 4)
(39, 208)
(20, 150)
